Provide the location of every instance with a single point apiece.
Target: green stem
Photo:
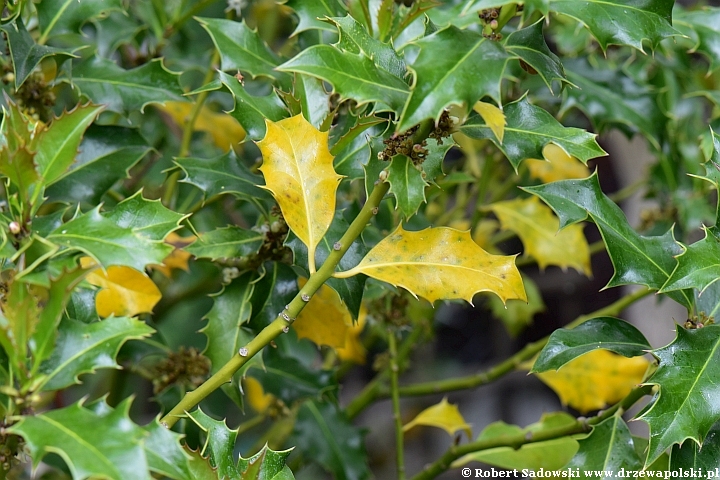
(394, 369)
(518, 440)
(285, 318)
(509, 365)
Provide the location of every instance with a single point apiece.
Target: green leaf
(687, 374)
(109, 243)
(125, 91)
(607, 333)
(251, 111)
(354, 38)
(87, 441)
(20, 168)
(83, 348)
(18, 319)
(705, 24)
(106, 155)
(637, 259)
(314, 100)
(219, 443)
(311, 13)
(228, 242)
(698, 266)
(223, 174)
(164, 453)
(147, 218)
(529, 44)
(328, 438)
(272, 292)
(267, 464)
(115, 30)
(352, 75)
(57, 17)
(25, 53)
(241, 48)
(608, 448)
(690, 455)
(407, 184)
(549, 455)
(58, 144)
(454, 67)
(621, 22)
(529, 129)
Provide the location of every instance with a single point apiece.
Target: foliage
(254, 197)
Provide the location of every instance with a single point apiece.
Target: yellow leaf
(255, 396)
(223, 128)
(125, 291)
(325, 320)
(596, 379)
(443, 415)
(558, 165)
(537, 226)
(440, 263)
(178, 258)
(354, 351)
(494, 118)
(298, 170)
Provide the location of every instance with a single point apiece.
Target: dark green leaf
(432, 165)
(267, 464)
(109, 243)
(698, 266)
(606, 333)
(314, 100)
(223, 174)
(311, 13)
(637, 259)
(608, 448)
(20, 168)
(57, 17)
(705, 23)
(687, 376)
(529, 44)
(529, 129)
(350, 160)
(87, 441)
(125, 91)
(272, 292)
(454, 67)
(219, 444)
(352, 75)
(164, 453)
(25, 53)
(228, 242)
(691, 456)
(83, 348)
(148, 218)
(328, 438)
(407, 184)
(115, 30)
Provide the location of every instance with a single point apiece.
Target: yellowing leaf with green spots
(224, 130)
(537, 226)
(443, 415)
(125, 292)
(596, 379)
(298, 170)
(440, 264)
(325, 320)
(558, 165)
(354, 351)
(494, 118)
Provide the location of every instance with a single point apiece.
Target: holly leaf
(87, 441)
(705, 24)
(311, 13)
(494, 118)
(605, 333)
(57, 17)
(224, 130)
(325, 320)
(298, 171)
(20, 168)
(83, 348)
(698, 265)
(125, 91)
(219, 444)
(108, 243)
(272, 292)
(352, 75)
(529, 44)
(690, 455)
(148, 218)
(223, 174)
(354, 350)
(608, 448)
(19, 318)
(595, 379)
(407, 184)
(426, 263)
(241, 48)
(529, 129)
(228, 242)
(106, 155)
(547, 455)
(537, 227)
(329, 439)
(267, 464)
(637, 259)
(124, 291)
(164, 453)
(25, 53)
(558, 165)
(687, 371)
(442, 415)
(57, 144)
(454, 67)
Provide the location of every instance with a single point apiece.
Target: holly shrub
(213, 212)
